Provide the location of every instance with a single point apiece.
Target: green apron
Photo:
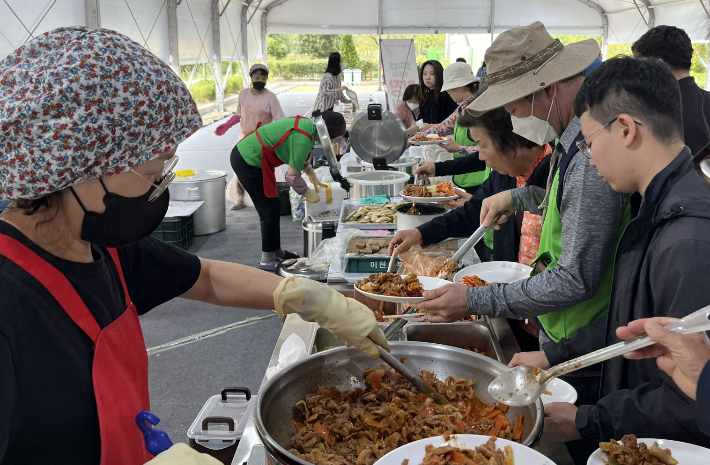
(470, 179)
(565, 322)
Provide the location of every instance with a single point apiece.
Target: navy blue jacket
(660, 270)
(463, 221)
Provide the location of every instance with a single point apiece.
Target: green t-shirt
(294, 151)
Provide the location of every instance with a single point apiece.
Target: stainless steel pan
(343, 368)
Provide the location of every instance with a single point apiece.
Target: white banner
(399, 66)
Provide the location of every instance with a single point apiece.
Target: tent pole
(379, 41)
(605, 24)
(244, 59)
(92, 13)
(173, 36)
(264, 50)
(491, 27)
(217, 57)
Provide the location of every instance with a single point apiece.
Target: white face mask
(533, 128)
(342, 65)
(412, 106)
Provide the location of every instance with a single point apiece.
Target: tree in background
(316, 45)
(349, 52)
(279, 45)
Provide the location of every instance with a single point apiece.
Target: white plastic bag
(292, 350)
(298, 211)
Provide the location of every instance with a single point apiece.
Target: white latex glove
(312, 196)
(346, 318)
(419, 123)
(182, 454)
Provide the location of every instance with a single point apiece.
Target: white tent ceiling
(146, 21)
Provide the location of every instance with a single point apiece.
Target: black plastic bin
(282, 188)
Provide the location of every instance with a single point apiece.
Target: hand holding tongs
(446, 271)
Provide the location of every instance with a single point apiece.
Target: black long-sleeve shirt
(696, 114)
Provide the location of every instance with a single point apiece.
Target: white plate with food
(682, 453)
(428, 194)
(430, 142)
(400, 289)
(507, 452)
(559, 391)
(493, 272)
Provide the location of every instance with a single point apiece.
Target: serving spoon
(523, 385)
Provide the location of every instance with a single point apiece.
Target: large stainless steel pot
(404, 164)
(208, 185)
(343, 368)
(428, 211)
(369, 183)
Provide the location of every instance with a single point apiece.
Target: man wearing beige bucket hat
(536, 79)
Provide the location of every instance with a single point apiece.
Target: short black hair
(461, 60)
(667, 43)
(412, 90)
(644, 89)
(499, 127)
(334, 64)
(334, 121)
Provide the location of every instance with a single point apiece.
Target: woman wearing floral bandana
(90, 122)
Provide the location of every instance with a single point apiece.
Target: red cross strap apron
(120, 367)
(269, 159)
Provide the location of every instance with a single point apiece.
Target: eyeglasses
(701, 161)
(165, 180)
(586, 148)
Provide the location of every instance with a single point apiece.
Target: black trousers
(269, 210)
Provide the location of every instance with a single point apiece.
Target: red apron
(269, 159)
(120, 367)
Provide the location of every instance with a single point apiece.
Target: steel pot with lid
(343, 368)
(369, 183)
(315, 231)
(209, 186)
(425, 213)
(404, 164)
(297, 267)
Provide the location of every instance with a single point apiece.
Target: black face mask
(258, 85)
(126, 219)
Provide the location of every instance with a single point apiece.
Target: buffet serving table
(251, 452)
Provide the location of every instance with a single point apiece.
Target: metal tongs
(448, 269)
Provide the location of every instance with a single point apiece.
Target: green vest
(565, 322)
(470, 179)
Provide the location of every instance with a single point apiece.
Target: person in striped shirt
(330, 86)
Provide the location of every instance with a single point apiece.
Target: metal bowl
(343, 368)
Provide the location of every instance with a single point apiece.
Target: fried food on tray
(384, 213)
(416, 190)
(474, 281)
(445, 188)
(486, 454)
(391, 284)
(631, 452)
(368, 246)
(361, 426)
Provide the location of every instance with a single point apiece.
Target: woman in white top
(330, 87)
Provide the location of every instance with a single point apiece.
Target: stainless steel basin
(464, 335)
(324, 339)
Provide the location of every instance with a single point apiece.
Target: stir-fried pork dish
(391, 284)
(359, 427)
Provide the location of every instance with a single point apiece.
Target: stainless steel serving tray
(348, 209)
(343, 368)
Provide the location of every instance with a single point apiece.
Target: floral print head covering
(79, 103)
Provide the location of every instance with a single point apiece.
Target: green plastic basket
(178, 231)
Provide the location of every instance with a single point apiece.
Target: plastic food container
(218, 427)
